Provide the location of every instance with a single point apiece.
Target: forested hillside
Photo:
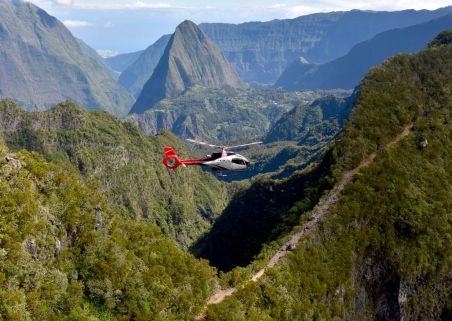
(66, 255)
(298, 137)
(383, 252)
(126, 162)
(222, 114)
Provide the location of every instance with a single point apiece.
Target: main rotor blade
(203, 143)
(243, 145)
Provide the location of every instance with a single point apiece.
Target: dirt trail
(316, 215)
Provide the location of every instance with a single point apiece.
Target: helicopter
(218, 161)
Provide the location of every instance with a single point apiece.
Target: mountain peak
(44, 64)
(187, 24)
(190, 59)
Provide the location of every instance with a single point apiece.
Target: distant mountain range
(43, 64)
(190, 58)
(120, 62)
(347, 71)
(261, 51)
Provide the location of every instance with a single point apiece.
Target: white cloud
(77, 24)
(292, 9)
(109, 5)
(389, 5)
(64, 2)
(106, 53)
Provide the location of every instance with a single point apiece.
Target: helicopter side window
(238, 161)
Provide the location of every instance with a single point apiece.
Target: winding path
(316, 215)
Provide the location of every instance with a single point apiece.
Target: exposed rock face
(43, 64)
(261, 51)
(190, 58)
(138, 73)
(347, 71)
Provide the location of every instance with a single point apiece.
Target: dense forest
(341, 211)
(67, 255)
(183, 204)
(384, 251)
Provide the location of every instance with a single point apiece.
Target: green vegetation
(66, 255)
(258, 215)
(127, 164)
(385, 251)
(221, 115)
(238, 235)
(444, 38)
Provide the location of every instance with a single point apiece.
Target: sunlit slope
(127, 163)
(66, 255)
(383, 252)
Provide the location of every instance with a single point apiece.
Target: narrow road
(316, 215)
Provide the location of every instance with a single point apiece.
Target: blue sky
(130, 25)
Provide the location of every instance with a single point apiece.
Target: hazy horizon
(113, 27)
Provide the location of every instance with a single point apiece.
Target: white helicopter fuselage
(234, 162)
(219, 161)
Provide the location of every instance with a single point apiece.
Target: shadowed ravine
(316, 216)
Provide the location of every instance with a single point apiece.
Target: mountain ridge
(380, 254)
(190, 58)
(135, 76)
(43, 64)
(259, 61)
(125, 162)
(347, 71)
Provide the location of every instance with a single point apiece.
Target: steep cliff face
(138, 73)
(127, 163)
(261, 51)
(347, 71)
(190, 58)
(43, 64)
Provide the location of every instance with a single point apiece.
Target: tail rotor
(171, 160)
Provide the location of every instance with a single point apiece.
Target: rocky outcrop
(138, 73)
(190, 59)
